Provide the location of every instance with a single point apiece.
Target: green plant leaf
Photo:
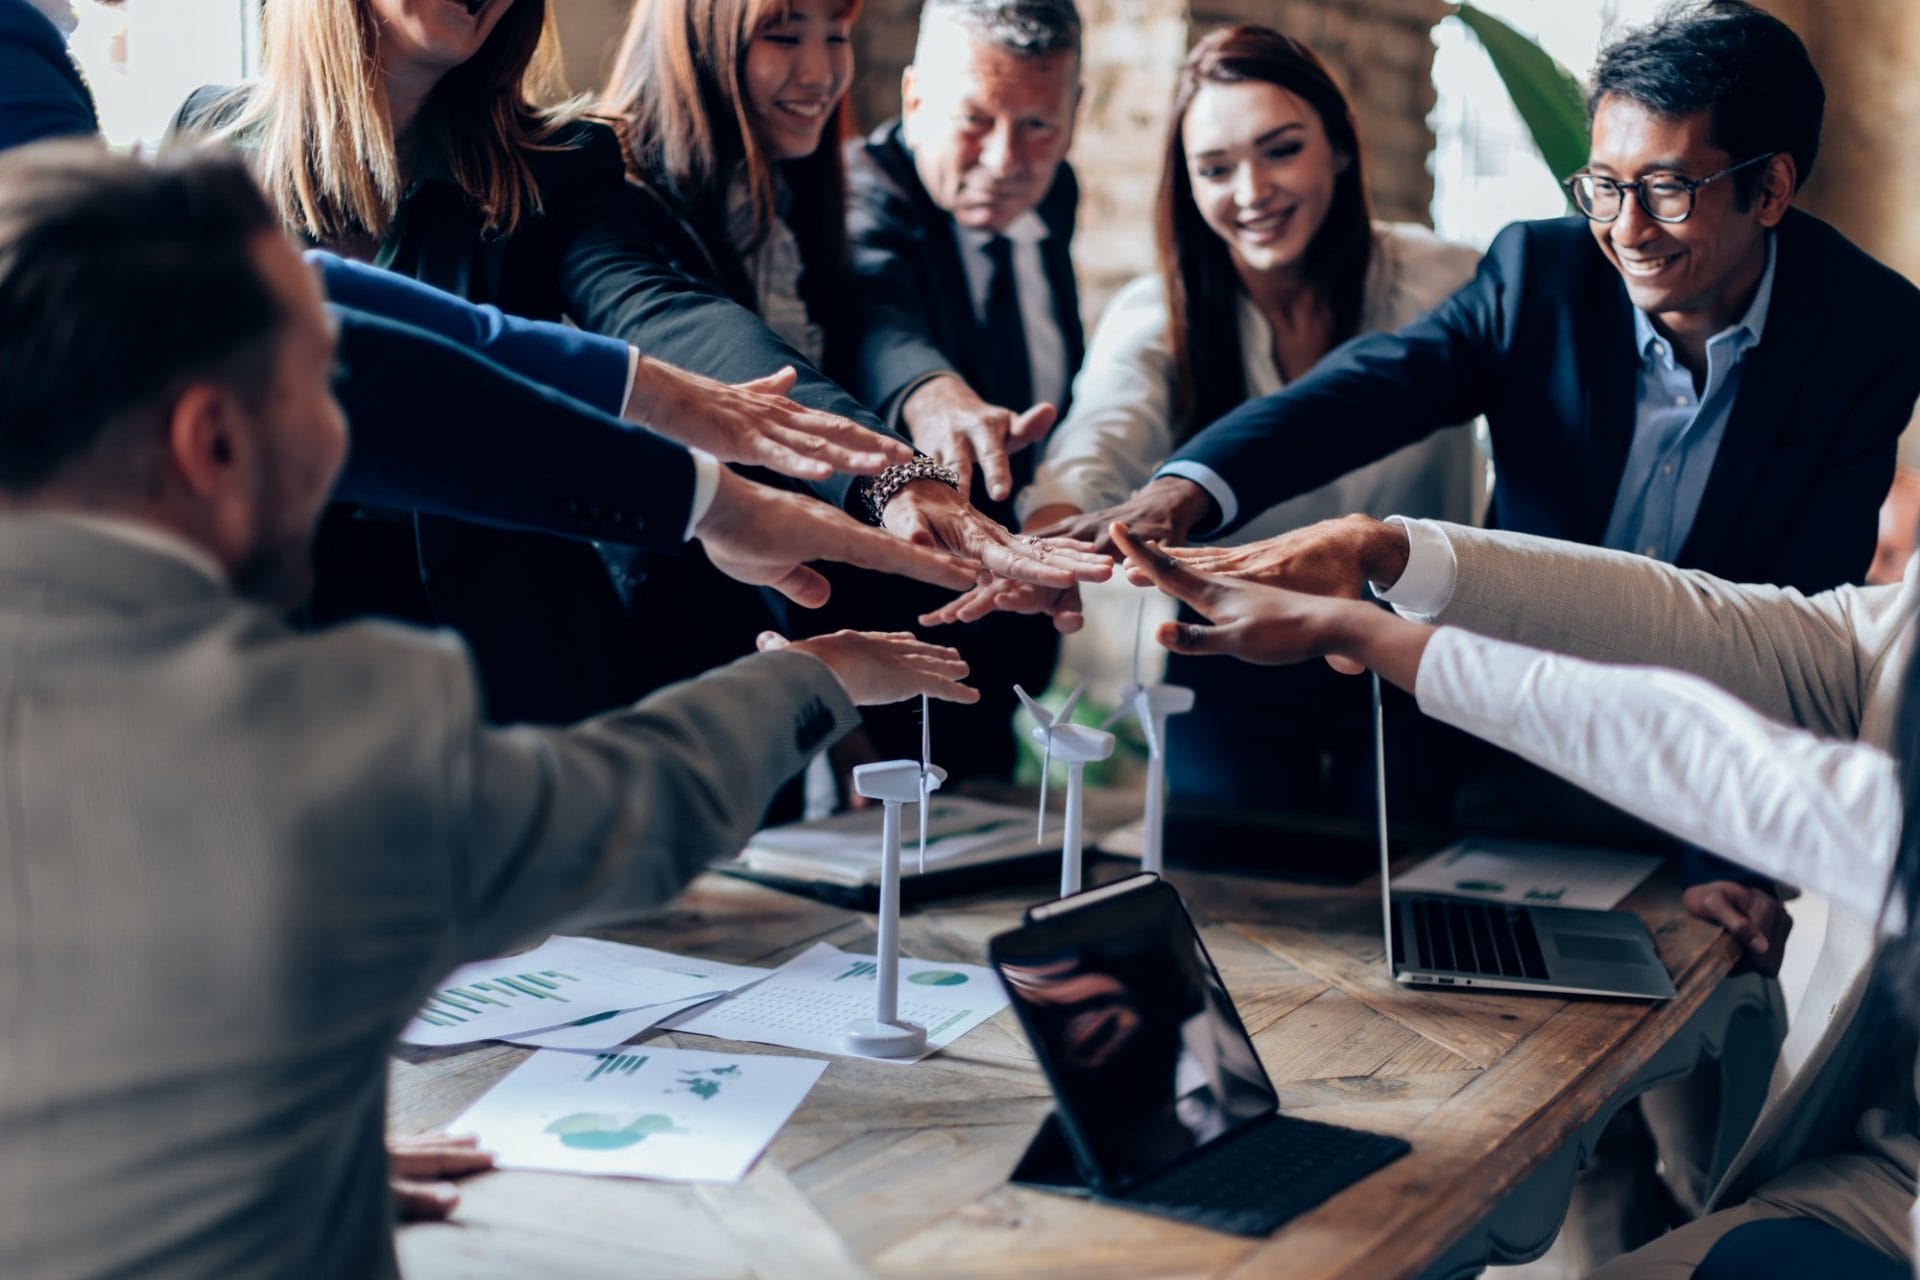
(1548, 97)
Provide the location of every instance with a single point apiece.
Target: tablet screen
(1124, 1007)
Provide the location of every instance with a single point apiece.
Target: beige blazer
(1831, 663)
(233, 859)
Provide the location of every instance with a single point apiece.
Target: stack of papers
(570, 993)
(808, 1002)
(845, 848)
(648, 1113)
(1530, 873)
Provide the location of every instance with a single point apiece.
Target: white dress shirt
(1121, 426)
(1670, 748)
(1683, 754)
(1046, 345)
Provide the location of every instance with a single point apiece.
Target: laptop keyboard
(1273, 1171)
(1487, 938)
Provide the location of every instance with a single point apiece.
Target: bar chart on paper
(563, 981)
(457, 1005)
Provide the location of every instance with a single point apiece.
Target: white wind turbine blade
(1143, 709)
(926, 763)
(1065, 714)
(1039, 713)
(1034, 709)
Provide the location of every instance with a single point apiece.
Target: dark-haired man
(238, 857)
(964, 328)
(1695, 370)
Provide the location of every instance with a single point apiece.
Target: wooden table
(901, 1170)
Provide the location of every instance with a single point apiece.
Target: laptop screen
(1147, 1057)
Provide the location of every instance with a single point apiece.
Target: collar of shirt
(1025, 229)
(148, 537)
(1741, 335)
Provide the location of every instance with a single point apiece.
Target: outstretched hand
(1271, 626)
(931, 514)
(756, 423)
(765, 536)
(877, 667)
(1163, 510)
(1332, 558)
(949, 421)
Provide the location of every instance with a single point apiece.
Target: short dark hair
(1745, 66)
(121, 281)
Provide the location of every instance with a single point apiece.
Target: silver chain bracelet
(877, 491)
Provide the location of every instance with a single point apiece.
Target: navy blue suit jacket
(439, 426)
(41, 92)
(1541, 342)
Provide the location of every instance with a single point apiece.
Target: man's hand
(1331, 558)
(1003, 595)
(946, 419)
(418, 1168)
(877, 667)
(930, 514)
(1271, 626)
(755, 423)
(1752, 915)
(1162, 511)
(765, 536)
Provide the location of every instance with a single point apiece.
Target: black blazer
(908, 312)
(549, 620)
(1541, 342)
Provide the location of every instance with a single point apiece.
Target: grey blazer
(1832, 663)
(232, 861)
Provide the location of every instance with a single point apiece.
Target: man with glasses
(1688, 368)
(1693, 369)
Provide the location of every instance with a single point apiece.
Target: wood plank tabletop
(891, 1170)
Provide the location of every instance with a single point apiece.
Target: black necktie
(1009, 373)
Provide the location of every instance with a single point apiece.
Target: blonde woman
(413, 134)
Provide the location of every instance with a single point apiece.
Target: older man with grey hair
(964, 323)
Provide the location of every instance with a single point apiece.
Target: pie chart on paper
(937, 978)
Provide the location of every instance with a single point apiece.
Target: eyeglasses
(1666, 197)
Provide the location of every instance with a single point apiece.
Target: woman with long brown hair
(416, 134)
(732, 114)
(1268, 259)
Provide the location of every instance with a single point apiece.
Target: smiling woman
(1268, 260)
(733, 114)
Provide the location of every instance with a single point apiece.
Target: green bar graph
(859, 969)
(625, 1064)
(457, 1005)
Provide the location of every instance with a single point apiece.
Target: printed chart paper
(674, 1114)
(809, 1001)
(1530, 873)
(561, 981)
(604, 1030)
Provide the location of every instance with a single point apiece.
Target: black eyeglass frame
(1639, 189)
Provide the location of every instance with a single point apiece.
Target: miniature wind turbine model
(1077, 745)
(893, 783)
(1152, 706)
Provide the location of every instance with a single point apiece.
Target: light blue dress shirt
(1676, 433)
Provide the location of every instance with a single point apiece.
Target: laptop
(1161, 1102)
(1434, 940)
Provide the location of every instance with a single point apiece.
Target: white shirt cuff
(706, 483)
(1209, 479)
(633, 372)
(1426, 587)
